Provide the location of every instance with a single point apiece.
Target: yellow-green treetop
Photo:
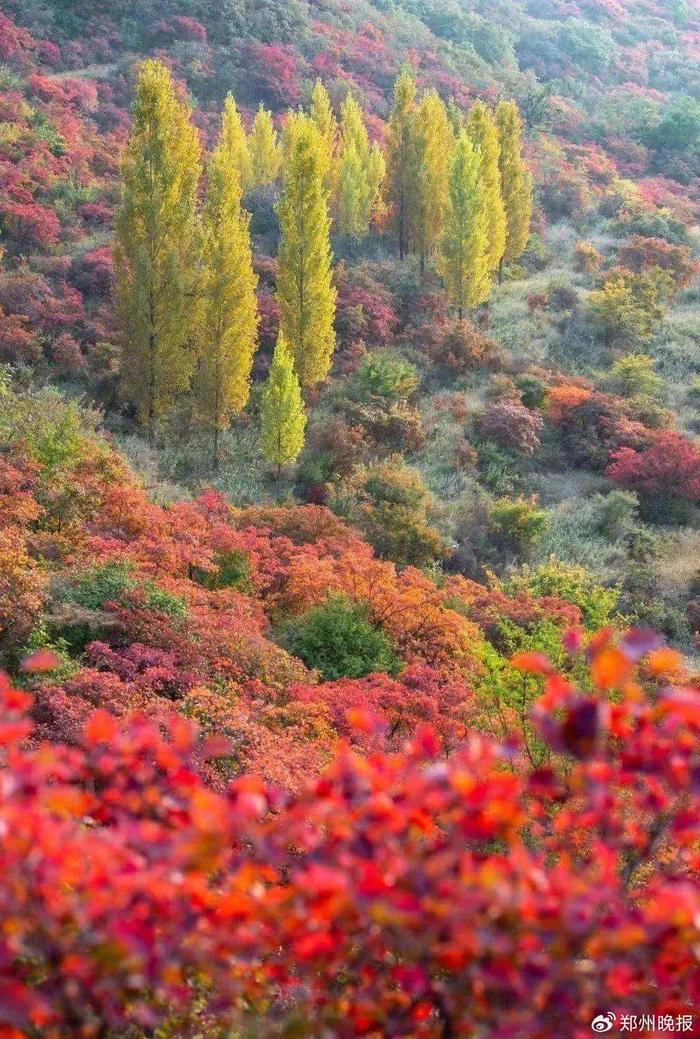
(516, 181)
(360, 173)
(282, 415)
(482, 131)
(464, 260)
(292, 121)
(237, 143)
(156, 246)
(264, 148)
(327, 124)
(228, 336)
(456, 116)
(305, 290)
(400, 179)
(433, 142)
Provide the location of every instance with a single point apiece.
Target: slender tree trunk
(151, 415)
(151, 342)
(500, 271)
(215, 452)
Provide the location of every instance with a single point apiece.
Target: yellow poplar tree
(516, 182)
(305, 290)
(282, 415)
(351, 212)
(482, 131)
(360, 173)
(264, 148)
(237, 143)
(229, 305)
(400, 179)
(156, 247)
(433, 142)
(464, 260)
(456, 116)
(327, 125)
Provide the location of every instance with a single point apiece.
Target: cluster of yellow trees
(456, 190)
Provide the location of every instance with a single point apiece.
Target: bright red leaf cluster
(400, 893)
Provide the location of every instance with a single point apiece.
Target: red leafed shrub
(562, 400)
(66, 353)
(422, 695)
(18, 344)
(594, 426)
(269, 312)
(95, 214)
(670, 466)
(93, 272)
(458, 347)
(14, 42)
(642, 254)
(49, 53)
(536, 302)
(406, 893)
(179, 27)
(274, 69)
(29, 226)
(512, 425)
(78, 94)
(366, 311)
(490, 606)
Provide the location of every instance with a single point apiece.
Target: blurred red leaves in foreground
(403, 893)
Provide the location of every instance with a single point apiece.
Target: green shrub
(101, 584)
(574, 584)
(384, 373)
(233, 571)
(613, 514)
(161, 601)
(41, 638)
(338, 639)
(497, 468)
(57, 432)
(515, 524)
(533, 391)
(44, 130)
(392, 506)
(634, 376)
(114, 582)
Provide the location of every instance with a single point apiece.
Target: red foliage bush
(29, 226)
(95, 214)
(15, 43)
(93, 272)
(642, 254)
(18, 344)
(366, 311)
(592, 425)
(66, 353)
(458, 347)
(669, 466)
(178, 27)
(274, 69)
(510, 424)
(445, 893)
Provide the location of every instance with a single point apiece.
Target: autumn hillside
(349, 501)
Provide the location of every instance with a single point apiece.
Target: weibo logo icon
(603, 1022)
